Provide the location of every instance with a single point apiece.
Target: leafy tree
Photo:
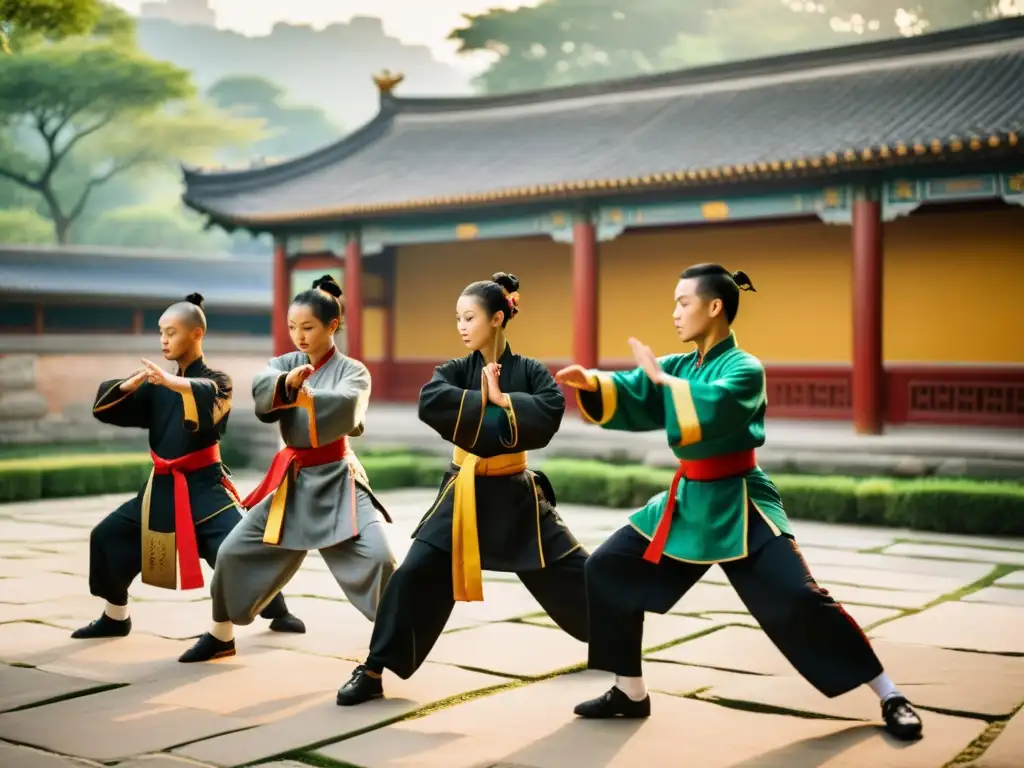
(24, 225)
(565, 41)
(52, 18)
(96, 109)
(150, 224)
(292, 130)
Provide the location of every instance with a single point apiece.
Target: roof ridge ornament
(387, 80)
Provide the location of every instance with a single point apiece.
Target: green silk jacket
(708, 408)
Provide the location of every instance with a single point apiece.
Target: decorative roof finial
(386, 81)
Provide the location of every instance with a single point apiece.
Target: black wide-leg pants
(115, 552)
(813, 631)
(419, 599)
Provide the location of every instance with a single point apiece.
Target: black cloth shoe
(104, 626)
(288, 623)
(208, 648)
(900, 719)
(614, 703)
(360, 688)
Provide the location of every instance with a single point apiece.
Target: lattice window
(817, 394)
(944, 398)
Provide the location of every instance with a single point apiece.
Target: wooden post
(282, 298)
(868, 370)
(584, 293)
(353, 287)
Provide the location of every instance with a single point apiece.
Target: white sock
(223, 631)
(632, 686)
(116, 612)
(883, 687)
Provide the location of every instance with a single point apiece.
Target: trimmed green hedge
(935, 504)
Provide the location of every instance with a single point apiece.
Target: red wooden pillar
(353, 287)
(584, 293)
(868, 371)
(282, 298)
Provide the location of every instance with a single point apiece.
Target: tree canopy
(52, 18)
(560, 42)
(291, 129)
(78, 113)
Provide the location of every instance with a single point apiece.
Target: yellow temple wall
(952, 280)
(801, 311)
(431, 277)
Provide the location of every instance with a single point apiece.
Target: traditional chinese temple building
(873, 193)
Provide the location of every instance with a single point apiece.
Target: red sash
(716, 468)
(184, 527)
(301, 457)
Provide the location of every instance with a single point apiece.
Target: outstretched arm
(124, 402)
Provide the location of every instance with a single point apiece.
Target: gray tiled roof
(596, 139)
(134, 276)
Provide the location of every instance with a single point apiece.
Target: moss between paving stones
(933, 504)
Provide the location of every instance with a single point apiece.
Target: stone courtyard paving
(945, 614)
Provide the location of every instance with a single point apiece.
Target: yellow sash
(467, 576)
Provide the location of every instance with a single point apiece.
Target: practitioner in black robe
(492, 512)
(189, 505)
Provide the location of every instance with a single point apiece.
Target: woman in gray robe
(316, 494)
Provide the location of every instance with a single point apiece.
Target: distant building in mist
(196, 12)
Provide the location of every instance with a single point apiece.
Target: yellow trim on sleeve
(609, 396)
(306, 401)
(480, 424)
(686, 410)
(513, 424)
(125, 396)
(188, 401)
(458, 419)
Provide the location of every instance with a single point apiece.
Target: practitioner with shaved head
(188, 505)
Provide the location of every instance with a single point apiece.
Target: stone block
(319, 719)
(534, 726)
(960, 626)
(20, 405)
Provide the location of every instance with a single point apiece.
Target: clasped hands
(154, 374)
(490, 387)
(576, 376)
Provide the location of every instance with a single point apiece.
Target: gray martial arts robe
(329, 507)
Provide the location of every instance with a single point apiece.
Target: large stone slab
(42, 586)
(502, 601)
(682, 679)
(659, 629)
(997, 596)
(820, 556)
(956, 691)
(115, 660)
(835, 536)
(1015, 579)
(967, 626)
(159, 761)
(1007, 749)
(933, 677)
(707, 598)
(515, 649)
(333, 628)
(14, 756)
(547, 735)
(269, 686)
(319, 719)
(13, 531)
(116, 724)
(21, 686)
(973, 554)
(882, 597)
(741, 649)
(829, 575)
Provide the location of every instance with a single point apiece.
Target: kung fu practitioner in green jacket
(721, 508)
